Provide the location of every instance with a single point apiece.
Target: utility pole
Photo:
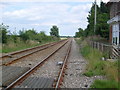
(95, 17)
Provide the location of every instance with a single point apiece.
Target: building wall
(114, 26)
(110, 34)
(113, 9)
(118, 7)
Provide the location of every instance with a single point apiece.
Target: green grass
(96, 66)
(16, 48)
(105, 84)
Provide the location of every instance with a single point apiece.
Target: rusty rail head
(61, 73)
(32, 70)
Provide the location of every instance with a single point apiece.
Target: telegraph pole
(95, 17)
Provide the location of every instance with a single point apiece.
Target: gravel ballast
(35, 58)
(50, 69)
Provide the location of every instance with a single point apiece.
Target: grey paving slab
(11, 73)
(36, 82)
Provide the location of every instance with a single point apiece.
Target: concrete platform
(36, 82)
(11, 73)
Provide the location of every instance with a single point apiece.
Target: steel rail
(61, 73)
(32, 70)
(28, 49)
(16, 59)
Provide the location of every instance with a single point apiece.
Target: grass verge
(96, 66)
(104, 84)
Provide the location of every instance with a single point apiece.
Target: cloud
(51, 0)
(68, 16)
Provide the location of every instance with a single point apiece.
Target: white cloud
(79, 8)
(51, 0)
(64, 15)
(35, 18)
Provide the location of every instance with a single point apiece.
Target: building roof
(112, 1)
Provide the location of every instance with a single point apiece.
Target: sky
(68, 15)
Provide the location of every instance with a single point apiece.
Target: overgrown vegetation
(96, 66)
(11, 41)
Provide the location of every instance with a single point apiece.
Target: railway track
(16, 56)
(62, 71)
(59, 79)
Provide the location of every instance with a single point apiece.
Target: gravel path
(33, 59)
(76, 65)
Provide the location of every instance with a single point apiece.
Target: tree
(31, 33)
(41, 36)
(23, 35)
(54, 31)
(3, 33)
(102, 28)
(90, 27)
(80, 33)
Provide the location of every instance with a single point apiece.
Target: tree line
(26, 35)
(102, 28)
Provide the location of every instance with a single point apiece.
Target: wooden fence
(112, 50)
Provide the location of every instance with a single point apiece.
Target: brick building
(114, 22)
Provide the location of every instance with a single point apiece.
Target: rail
(32, 70)
(61, 73)
(44, 47)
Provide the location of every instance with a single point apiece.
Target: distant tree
(3, 33)
(54, 31)
(41, 36)
(80, 33)
(23, 35)
(31, 33)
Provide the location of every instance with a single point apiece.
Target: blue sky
(42, 15)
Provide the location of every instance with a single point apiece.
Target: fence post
(98, 46)
(102, 47)
(94, 44)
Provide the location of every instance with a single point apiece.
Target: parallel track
(32, 70)
(29, 52)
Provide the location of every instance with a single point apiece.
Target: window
(116, 40)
